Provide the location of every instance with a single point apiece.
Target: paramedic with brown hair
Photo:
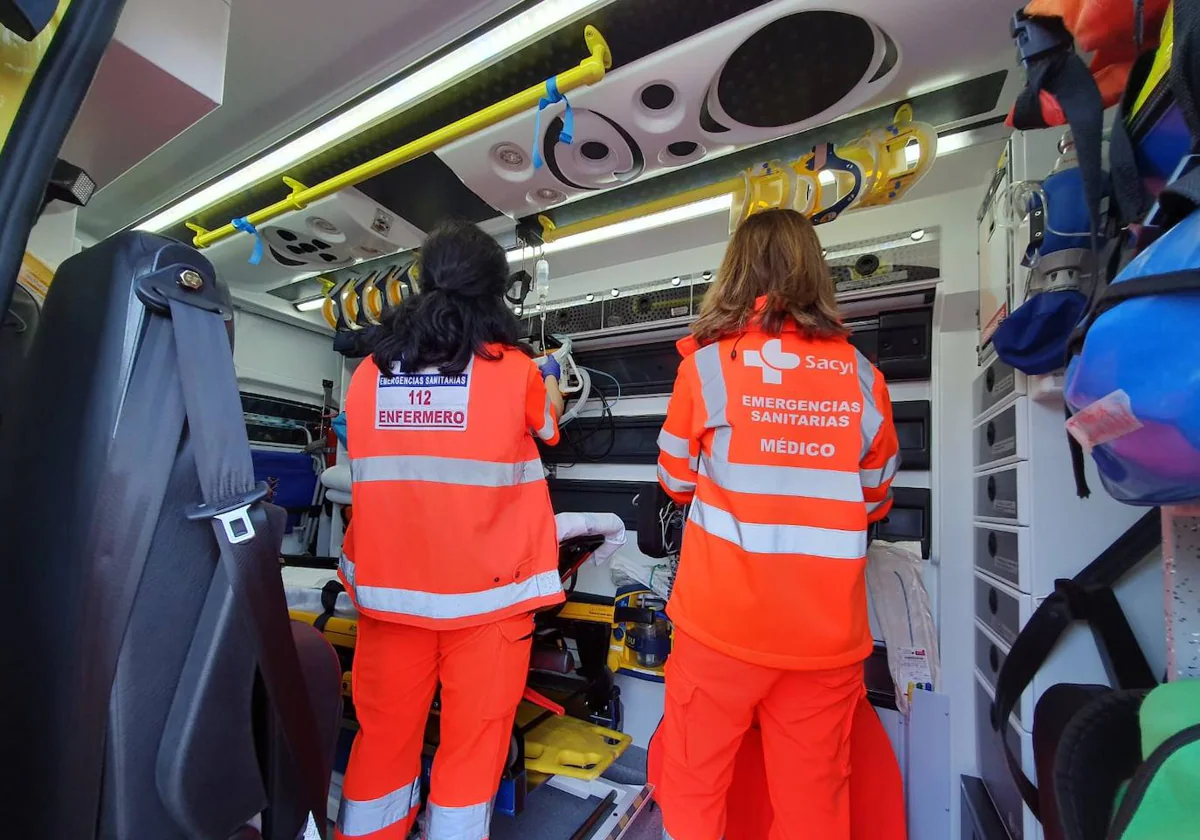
(779, 435)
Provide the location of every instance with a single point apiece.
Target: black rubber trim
(910, 519)
(913, 426)
(573, 495)
(49, 107)
(634, 440)
(881, 691)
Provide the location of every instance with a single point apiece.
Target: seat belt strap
(231, 496)
(329, 596)
(132, 489)
(1086, 597)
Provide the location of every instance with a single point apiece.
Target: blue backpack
(1133, 384)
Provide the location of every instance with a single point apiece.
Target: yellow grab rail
(588, 72)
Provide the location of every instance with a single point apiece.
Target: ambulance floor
(549, 814)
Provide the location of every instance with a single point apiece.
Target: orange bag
(1111, 32)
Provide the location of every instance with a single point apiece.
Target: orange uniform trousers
(805, 720)
(397, 668)
(876, 785)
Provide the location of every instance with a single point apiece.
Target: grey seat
(164, 693)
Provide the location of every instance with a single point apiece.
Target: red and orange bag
(1114, 32)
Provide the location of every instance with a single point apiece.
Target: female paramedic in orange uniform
(779, 434)
(453, 546)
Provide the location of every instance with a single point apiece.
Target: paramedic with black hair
(779, 434)
(453, 545)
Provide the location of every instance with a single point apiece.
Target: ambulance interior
(306, 148)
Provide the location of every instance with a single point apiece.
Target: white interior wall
(52, 239)
(280, 360)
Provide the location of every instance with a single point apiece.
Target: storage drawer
(913, 430)
(1001, 610)
(613, 440)
(989, 659)
(979, 819)
(1004, 437)
(573, 495)
(993, 767)
(1004, 554)
(996, 383)
(910, 518)
(1001, 494)
(900, 344)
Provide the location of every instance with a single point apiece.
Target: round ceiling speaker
(602, 153)
(802, 69)
(681, 152)
(302, 249)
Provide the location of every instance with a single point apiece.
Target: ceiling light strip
(675, 215)
(495, 44)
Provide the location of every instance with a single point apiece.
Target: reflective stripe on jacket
(786, 450)
(452, 519)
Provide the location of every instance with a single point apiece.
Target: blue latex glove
(339, 429)
(550, 367)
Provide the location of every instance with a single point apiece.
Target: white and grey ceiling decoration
(699, 90)
(779, 69)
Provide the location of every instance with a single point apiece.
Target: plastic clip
(567, 135)
(234, 515)
(295, 189)
(244, 225)
(1037, 36)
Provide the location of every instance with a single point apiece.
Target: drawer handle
(993, 601)
(991, 488)
(989, 379)
(993, 544)
(991, 434)
(994, 658)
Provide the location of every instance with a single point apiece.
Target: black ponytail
(460, 309)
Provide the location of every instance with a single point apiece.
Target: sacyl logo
(773, 361)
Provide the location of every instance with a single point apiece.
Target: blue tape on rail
(243, 224)
(567, 135)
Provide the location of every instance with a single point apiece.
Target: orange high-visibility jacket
(786, 450)
(452, 519)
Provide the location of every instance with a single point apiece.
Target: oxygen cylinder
(1066, 221)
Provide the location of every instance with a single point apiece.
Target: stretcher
(547, 741)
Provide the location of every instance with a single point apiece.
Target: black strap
(1184, 73)
(1051, 64)
(1182, 195)
(222, 450)
(329, 597)
(1166, 283)
(1086, 597)
(1131, 199)
(123, 522)
(1078, 463)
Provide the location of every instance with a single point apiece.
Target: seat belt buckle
(1038, 36)
(233, 514)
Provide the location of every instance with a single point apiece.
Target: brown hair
(774, 253)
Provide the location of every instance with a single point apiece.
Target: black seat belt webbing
(329, 597)
(122, 527)
(218, 434)
(1087, 596)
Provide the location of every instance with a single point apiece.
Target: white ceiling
(960, 169)
(289, 62)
